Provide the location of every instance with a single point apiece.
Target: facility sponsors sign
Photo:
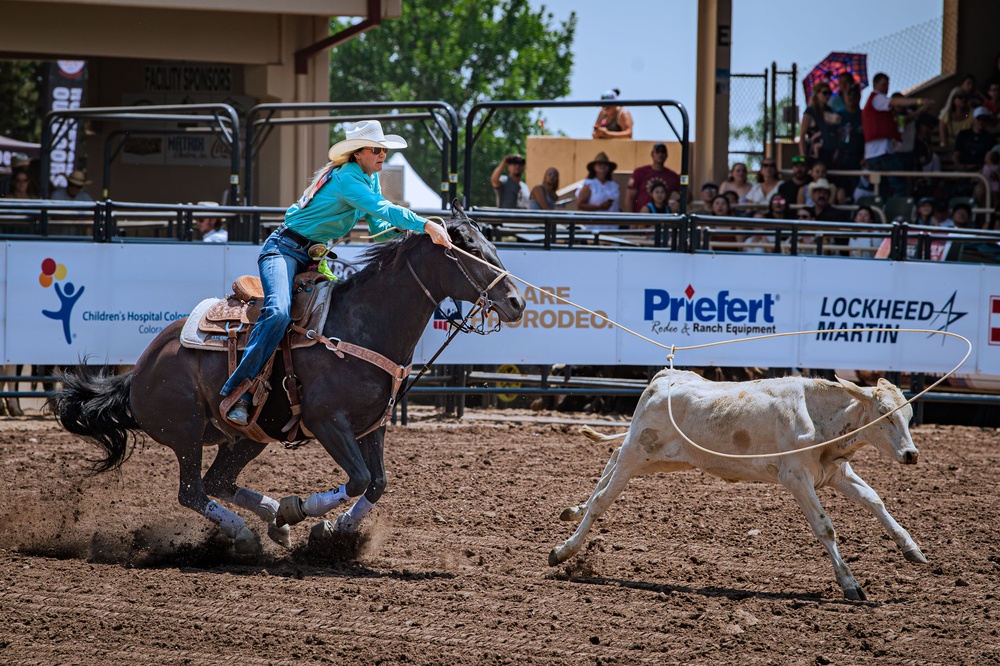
(65, 91)
(67, 301)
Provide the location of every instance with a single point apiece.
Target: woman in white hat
(341, 193)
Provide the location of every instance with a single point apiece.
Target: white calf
(760, 417)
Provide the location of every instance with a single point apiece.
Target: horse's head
(472, 277)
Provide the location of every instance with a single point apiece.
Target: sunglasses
(376, 150)
(767, 164)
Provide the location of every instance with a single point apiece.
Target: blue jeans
(280, 260)
(897, 185)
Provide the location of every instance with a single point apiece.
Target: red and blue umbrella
(832, 66)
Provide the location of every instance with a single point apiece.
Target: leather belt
(295, 236)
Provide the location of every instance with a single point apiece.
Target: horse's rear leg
(220, 481)
(192, 495)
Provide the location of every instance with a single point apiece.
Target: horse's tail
(98, 406)
(595, 436)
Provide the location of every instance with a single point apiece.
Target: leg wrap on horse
(319, 504)
(351, 521)
(262, 505)
(228, 522)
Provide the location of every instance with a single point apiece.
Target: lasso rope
(674, 348)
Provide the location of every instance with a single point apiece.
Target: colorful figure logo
(52, 274)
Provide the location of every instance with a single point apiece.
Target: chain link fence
(910, 56)
(749, 119)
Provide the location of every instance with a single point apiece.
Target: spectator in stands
(777, 209)
(19, 163)
(708, 192)
(863, 215)
(942, 216)
(639, 191)
(967, 86)
(972, 144)
(720, 206)
(924, 213)
(991, 172)
(737, 182)
(613, 122)
(21, 186)
(211, 228)
(816, 172)
(767, 182)
(954, 117)
(925, 158)
(804, 214)
(799, 179)
(599, 191)
(659, 202)
(674, 202)
(544, 195)
(992, 101)
(881, 131)
(74, 188)
(961, 216)
(845, 84)
(512, 192)
(906, 119)
(818, 132)
(850, 142)
(821, 193)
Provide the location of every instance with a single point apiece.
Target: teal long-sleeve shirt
(342, 201)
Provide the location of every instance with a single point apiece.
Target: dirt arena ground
(682, 569)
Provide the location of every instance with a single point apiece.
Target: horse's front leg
(372, 449)
(220, 481)
(337, 438)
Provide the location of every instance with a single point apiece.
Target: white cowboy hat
(360, 135)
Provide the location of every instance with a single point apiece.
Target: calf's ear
(852, 388)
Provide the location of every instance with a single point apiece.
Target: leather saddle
(235, 315)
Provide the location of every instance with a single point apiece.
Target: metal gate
(762, 112)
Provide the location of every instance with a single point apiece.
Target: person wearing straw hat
(341, 194)
(74, 188)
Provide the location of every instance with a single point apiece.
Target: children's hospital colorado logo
(54, 275)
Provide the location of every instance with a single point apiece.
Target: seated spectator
(942, 216)
(992, 101)
(599, 191)
(767, 182)
(512, 192)
(821, 192)
(659, 202)
(789, 189)
(864, 215)
(737, 182)
(720, 206)
(74, 188)
(19, 163)
(544, 195)
(733, 200)
(972, 144)
(818, 132)
(925, 158)
(816, 172)
(639, 191)
(954, 117)
(708, 192)
(613, 122)
(21, 186)
(991, 172)
(804, 214)
(674, 202)
(211, 228)
(961, 216)
(967, 86)
(777, 209)
(924, 213)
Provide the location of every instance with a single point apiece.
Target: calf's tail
(98, 406)
(595, 436)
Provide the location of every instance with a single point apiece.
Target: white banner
(67, 301)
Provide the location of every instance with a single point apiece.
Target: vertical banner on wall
(65, 91)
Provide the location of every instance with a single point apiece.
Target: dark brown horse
(172, 394)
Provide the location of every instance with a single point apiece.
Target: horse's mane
(380, 257)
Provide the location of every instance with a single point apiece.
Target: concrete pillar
(711, 152)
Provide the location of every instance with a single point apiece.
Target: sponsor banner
(849, 294)
(67, 301)
(687, 300)
(64, 91)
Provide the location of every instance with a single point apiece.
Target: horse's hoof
(915, 556)
(290, 511)
(280, 535)
(346, 525)
(320, 533)
(246, 542)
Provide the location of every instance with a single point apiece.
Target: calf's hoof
(555, 558)
(915, 555)
(855, 593)
(246, 542)
(572, 514)
(279, 535)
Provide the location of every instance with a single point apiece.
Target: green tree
(751, 138)
(22, 100)
(461, 52)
